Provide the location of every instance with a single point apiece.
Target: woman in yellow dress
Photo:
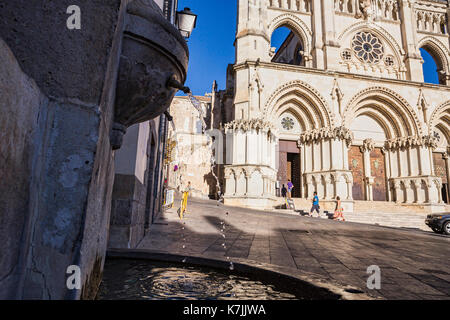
(339, 211)
(183, 208)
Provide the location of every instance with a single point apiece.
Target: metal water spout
(168, 116)
(172, 82)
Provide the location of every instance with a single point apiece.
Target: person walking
(283, 191)
(315, 205)
(338, 211)
(290, 187)
(183, 208)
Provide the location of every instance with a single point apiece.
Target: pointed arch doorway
(289, 166)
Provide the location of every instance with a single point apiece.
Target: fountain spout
(172, 82)
(168, 116)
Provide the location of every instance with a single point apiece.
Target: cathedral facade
(341, 107)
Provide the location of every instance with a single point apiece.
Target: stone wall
(20, 168)
(193, 152)
(137, 176)
(58, 103)
(68, 206)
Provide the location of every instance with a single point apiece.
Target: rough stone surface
(63, 62)
(65, 170)
(18, 159)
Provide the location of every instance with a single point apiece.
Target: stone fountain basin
(153, 51)
(312, 286)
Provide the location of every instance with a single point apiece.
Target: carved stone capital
(403, 143)
(337, 133)
(248, 125)
(368, 146)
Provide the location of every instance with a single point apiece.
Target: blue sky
(211, 44)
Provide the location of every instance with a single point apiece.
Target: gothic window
(287, 123)
(367, 47)
(346, 55)
(433, 66)
(437, 136)
(287, 47)
(389, 61)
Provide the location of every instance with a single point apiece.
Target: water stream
(198, 106)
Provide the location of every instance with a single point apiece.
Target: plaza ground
(414, 263)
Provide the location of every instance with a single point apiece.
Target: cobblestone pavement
(414, 264)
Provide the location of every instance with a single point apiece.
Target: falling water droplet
(231, 266)
(184, 260)
(184, 246)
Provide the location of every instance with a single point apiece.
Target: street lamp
(186, 22)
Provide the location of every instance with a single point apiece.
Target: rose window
(287, 123)
(367, 47)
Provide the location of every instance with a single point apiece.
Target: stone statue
(366, 9)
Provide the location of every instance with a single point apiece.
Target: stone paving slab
(414, 264)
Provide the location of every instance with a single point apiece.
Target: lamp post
(186, 21)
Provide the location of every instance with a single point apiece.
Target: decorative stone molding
(303, 6)
(329, 184)
(410, 142)
(309, 93)
(438, 49)
(337, 133)
(421, 189)
(252, 124)
(437, 113)
(295, 23)
(366, 7)
(368, 145)
(378, 30)
(429, 21)
(396, 99)
(446, 155)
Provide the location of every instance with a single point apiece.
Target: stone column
(331, 47)
(342, 186)
(310, 187)
(317, 51)
(447, 171)
(408, 27)
(366, 149)
(409, 192)
(349, 182)
(387, 169)
(417, 197)
(433, 195)
(397, 191)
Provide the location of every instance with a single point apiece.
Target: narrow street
(414, 264)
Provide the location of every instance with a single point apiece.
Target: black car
(440, 223)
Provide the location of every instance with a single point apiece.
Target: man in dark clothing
(283, 191)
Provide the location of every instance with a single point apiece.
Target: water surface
(149, 280)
